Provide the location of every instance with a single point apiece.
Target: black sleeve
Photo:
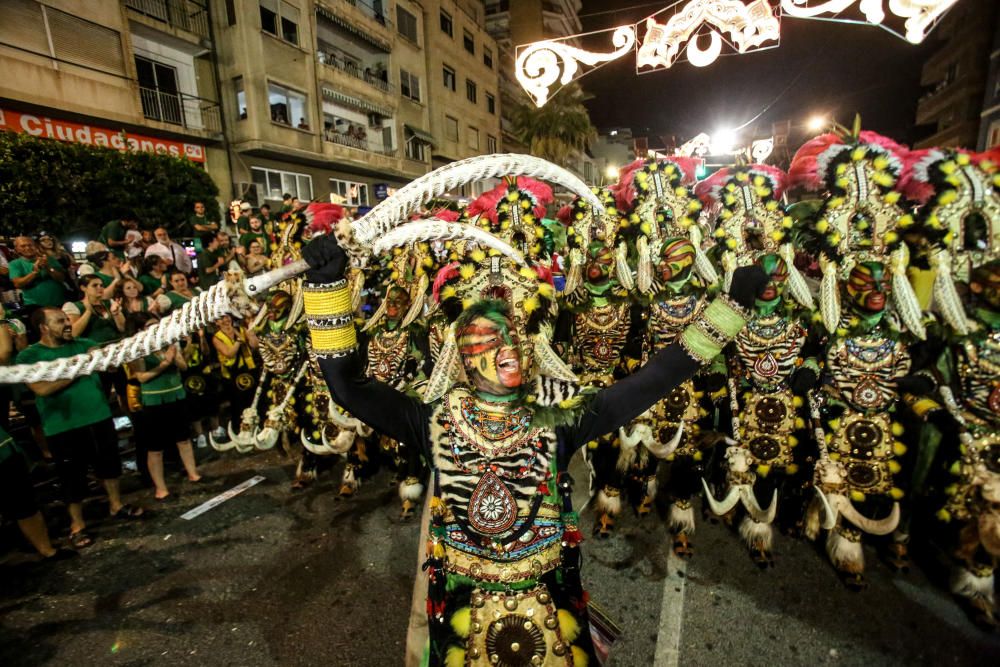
(630, 397)
(382, 407)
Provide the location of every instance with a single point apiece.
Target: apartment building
(463, 88)
(132, 74)
(989, 123)
(956, 75)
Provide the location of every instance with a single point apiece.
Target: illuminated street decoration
(920, 15)
(541, 64)
(761, 150)
(747, 26)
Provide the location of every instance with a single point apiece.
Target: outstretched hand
(748, 283)
(327, 260)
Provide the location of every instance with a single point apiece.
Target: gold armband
(329, 317)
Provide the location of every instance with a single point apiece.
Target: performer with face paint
(871, 313)
(499, 419)
(596, 326)
(771, 367)
(961, 220)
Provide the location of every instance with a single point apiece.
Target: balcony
(360, 19)
(187, 111)
(186, 15)
(358, 143)
(376, 77)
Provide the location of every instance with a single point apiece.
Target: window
(354, 194)
(280, 19)
(158, 91)
(449, 78)
(231, 12)
(471, 91)
(287, 106)
(491, 103)
(993, 137)
(241, 98)
(469, 42)
(588, 172)
(451, 128)
(473, 138)
(409, 85)
(447, 25)
(272, 184)
(488, 57)
(414, 147)
(406, 24)
(491, 143)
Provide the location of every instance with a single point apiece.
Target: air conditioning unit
(247, 192)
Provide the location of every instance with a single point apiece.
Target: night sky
(831, 68)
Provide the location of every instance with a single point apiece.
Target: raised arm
(697, 345)
(327, 301)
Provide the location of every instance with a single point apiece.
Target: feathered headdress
(751, 221)
(584, 227)
(513, 211)
(662, 206)
(960, 191)
(860, 218)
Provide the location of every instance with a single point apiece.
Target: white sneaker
(201, 441)
(220, 434)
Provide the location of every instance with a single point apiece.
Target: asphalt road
(272, 577)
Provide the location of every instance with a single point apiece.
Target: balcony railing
(188, 111)
(376, 79)
(354, 142)
(373, 10)
(184, 14)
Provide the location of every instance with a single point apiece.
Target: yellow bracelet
(324, 303)
(700, 347)
(334, 341)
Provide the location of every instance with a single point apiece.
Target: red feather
(707, 190)
(868, 137)
(804, 169)
(323, 217)
(447, 273)
(993, 155)
(565, 215)
(544, 273)
(486, 203)
(910, 183)
(446, 214)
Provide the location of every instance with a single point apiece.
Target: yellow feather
(455, 657)
(478, 255)
(569, 627)
(531, 304)
(460, 622)
(466, 271)
(580, 658)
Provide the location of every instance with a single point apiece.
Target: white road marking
(668, 639)
(222, 497)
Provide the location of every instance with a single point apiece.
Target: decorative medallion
(765, 448)
(863, 475)
(515, 641)
(864, 434)
(868, 394)
(677, 400)
(492, 508)
(766, 365)
(770, 411)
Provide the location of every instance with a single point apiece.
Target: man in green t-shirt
(76, 420)
(38, 276)
(197, 224)
(243, 222)
(113, 234)
(212, 261)
(256, 233)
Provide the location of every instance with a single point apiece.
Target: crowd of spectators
(57, 305)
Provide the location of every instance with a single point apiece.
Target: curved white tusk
(310, 446)
(725, 506)
(870, 526)
(667, 448)
(341, 443)
(223, 446)
(754, 509)
(629, 439)
(265, 438)
(829, 514)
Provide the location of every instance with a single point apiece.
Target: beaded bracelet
(329, 318)
(704, 339)
(330, 300)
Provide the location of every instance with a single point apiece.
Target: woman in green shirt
(180, 293)
(129, 293)
(95, 317)
(165, 418)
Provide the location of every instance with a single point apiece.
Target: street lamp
(611, 172)
(816, 123)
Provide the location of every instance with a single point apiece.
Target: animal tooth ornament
(961, 218)
(859, 227)
(498, 421)
(771, 365)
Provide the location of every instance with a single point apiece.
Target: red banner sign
(63, 130)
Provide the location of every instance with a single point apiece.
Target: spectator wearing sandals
(76, 419)
(166, 419)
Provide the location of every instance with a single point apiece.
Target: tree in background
(558, 130)
(73, 189)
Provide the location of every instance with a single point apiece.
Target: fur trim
(681, 519)
(552, 391)
(756, 535)
(651, 486)
(811, 523)
(845, 555)
(610, 504)
(968, 585)
(410, 489)
(569, 627)
(461, 622)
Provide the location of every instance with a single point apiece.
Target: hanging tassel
(903, 295)
(623, 270)
(378, 315)
(298, 305)
(356, 282)
(644, 279)
(702, 264)
(549, 362)
(729, 268)
(446, 370)
(945, 295)
(829, 295)
(574, 272)
(796, 282)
